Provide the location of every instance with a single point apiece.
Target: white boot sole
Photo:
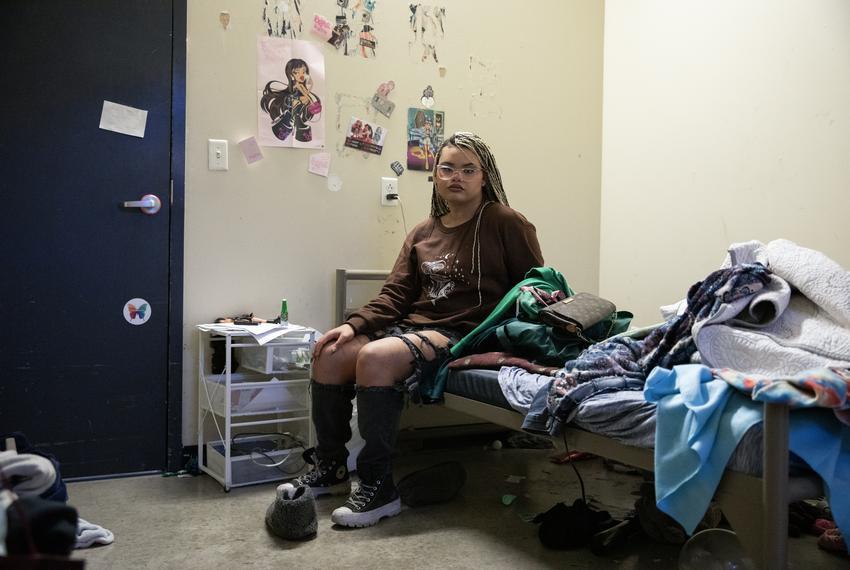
(343, 488)
(346, 517)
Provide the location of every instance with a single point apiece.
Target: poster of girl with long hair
(290, 93)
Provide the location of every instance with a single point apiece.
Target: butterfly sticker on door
(137, 311)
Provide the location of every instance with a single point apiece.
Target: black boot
(331, 406)
(378, 415)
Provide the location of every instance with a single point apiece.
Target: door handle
(149, 204)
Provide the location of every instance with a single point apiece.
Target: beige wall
(723, 121)
(529, 82)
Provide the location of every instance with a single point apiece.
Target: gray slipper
(292, 515)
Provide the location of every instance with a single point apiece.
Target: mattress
(623, 416)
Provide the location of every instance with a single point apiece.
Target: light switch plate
(217, 154)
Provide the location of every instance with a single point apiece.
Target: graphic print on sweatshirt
(440, 277)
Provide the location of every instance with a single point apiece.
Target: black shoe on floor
(436, 484)
(369, 504)
(326, 477)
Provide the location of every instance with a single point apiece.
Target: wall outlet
(389, 191)
(217, 150)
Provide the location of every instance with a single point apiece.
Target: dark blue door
(75, 376)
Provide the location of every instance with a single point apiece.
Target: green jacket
(546, 278)
(513, 327)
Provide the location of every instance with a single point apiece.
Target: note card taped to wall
(320, 163)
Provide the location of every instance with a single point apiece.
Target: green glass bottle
(284, 313)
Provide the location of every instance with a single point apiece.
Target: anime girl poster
(290, 93)
(425, 130)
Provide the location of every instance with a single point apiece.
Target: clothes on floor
(34, 473)
(89, 534)
(438, 483)
(27, 474)
(49, 526)
(57, 491)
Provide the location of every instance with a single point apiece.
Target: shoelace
(363, 495)
(313, 475)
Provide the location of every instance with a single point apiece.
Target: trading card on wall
(425, 131)
(364, 135)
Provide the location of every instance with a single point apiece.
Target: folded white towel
(89, 534)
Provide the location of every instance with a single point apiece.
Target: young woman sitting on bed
(452, 270)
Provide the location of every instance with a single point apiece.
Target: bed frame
(757, 507)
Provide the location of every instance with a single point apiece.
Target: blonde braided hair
(492, 190)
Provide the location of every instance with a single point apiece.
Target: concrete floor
(191, 523)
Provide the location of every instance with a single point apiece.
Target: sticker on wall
(224, 19)
(427, 23)
(137, 311)
(364, 135)
(334, 183)
(425, 131)
(290, 88)
(251, 150)
(322, 27)
(428, 97)
(282, 18)
(380, 101)
(354, 28)
(397, 168)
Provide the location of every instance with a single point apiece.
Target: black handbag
(578, 313)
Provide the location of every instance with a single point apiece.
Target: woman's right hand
(338, 336)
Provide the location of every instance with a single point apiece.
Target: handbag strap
(612, 320)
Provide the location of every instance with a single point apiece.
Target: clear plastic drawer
(258, 458)
(289, 357)
(255, 397)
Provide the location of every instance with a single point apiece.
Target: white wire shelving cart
(253, 418)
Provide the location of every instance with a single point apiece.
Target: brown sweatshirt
(454, 277)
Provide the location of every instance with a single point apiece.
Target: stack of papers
(262, 333)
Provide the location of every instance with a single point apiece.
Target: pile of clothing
(34, 515)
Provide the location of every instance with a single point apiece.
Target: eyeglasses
(446, 172)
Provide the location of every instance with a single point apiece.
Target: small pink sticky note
(320, 163)
(322, 27)
(251, 150)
